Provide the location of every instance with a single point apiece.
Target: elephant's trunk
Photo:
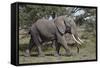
(76, 39)
(75, 35)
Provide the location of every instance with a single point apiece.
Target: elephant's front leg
(62, 41)
(58, 48)
(54, 45)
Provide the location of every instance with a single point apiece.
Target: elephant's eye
(70, 21)
(68, 29)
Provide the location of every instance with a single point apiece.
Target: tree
(29, 14)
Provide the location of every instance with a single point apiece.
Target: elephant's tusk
(76, 40)
(80, 40)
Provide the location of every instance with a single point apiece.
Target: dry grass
(87, 51)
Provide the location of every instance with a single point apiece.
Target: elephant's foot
(41, 55)
(27, 53)
(56, 55)
(69, 54)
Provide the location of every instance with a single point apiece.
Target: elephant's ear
(67, 21)
(60, 26)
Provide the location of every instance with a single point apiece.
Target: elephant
(67, 21)
(44, 30)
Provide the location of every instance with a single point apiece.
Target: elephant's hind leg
(37, 43)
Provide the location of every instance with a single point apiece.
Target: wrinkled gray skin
(66, 24)
(44, 30)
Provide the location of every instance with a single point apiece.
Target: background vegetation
(85, 19)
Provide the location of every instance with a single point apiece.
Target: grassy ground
(87, 51)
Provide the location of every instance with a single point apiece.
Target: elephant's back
(44, 23)
(46, 28)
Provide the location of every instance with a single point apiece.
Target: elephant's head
(66, 24)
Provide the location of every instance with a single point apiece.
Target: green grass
(87, 51)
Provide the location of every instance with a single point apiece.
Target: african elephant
(66, 24)
(52, 30)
